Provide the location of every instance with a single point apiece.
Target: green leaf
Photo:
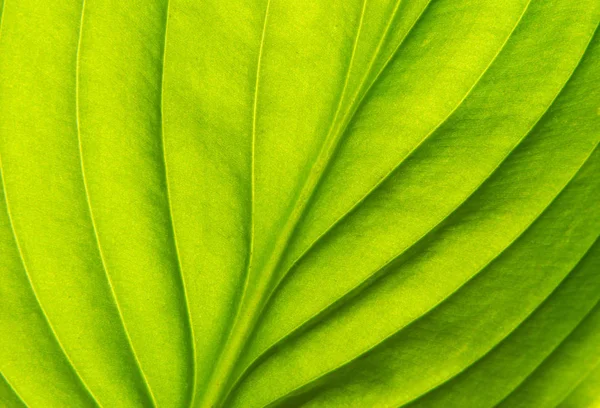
(266, 203)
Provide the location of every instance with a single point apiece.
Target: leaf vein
(455, 291)
(12, 387)
(91, 213)
(34, 291)
(553, 352)
(188, 315)
(389, 174)
(26, 270)
(507, 336)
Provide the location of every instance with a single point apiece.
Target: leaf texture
(266, 203)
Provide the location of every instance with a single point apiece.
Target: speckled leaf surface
(268, 203)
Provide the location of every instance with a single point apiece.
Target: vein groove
(337, 135)
(189, 323)
(580, 381)
(382, 180)
(358, 99)
(268, 280)
(449, 214)
(12, 387)
(229, 353)
(553, 351)
(442, 301)
(26, 270)
(513, 330)
(363, 283)
(373, 275)
(34, 291)
(91, 213)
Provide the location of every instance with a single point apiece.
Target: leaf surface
(351, 203)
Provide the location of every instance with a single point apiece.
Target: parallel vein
(24, 264)
(376, 272)
(189, 323)
(506, 337)
(442, 301)
(228, 354)
(91, 213)
(34, 291)
(390, 173)
(577, 383)
(553, 352)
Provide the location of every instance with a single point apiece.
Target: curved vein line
(329, 147)
(253, 151)
(269, 280)
(549, 356)
(354, 105)
(358, 99)
(35, 294)
(315, 317)
(323, 160)
(338, 135)
(407, 248)
(507, 336)
(12, 388)
(330, 133)
(390, 173)
(577, 64)
(345, 120)
(580, 381)
(392, 55)
(91, 213)
(188, 314)
(441, 301)
(253, 158)
(229, 352)
(26, 270)
(367, 71)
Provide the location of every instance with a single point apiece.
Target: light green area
(268, 203)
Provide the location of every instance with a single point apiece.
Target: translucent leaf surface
(267, 203)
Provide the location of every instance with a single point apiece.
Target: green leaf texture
(300, 203)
